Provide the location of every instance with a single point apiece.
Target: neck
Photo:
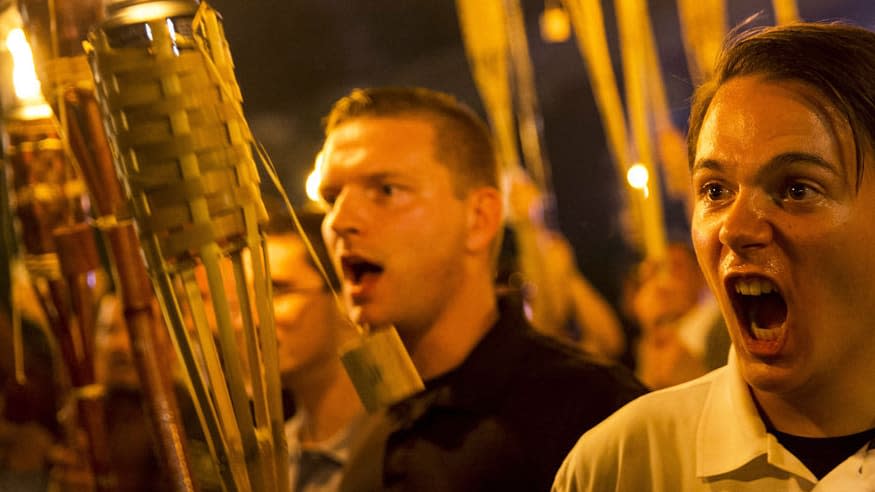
(446, 343)
(828, 412)
(327, 396)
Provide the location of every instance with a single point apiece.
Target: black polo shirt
(503, 420)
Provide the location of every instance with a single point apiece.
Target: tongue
(768, 311)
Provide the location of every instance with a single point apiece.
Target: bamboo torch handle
(89, 145)
(77, 255)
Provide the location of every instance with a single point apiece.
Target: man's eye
(387, 189)
(714, 191)
(284, 288)
(328, 198)
(798, 191)
(280, 288)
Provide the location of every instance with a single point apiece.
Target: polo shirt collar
(731, 433)
(476, 385)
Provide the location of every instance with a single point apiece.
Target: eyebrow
(381, 176)
(712, 164)
(369, 178)
(778, 161)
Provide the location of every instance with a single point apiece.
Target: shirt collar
(335, 447)
(476, 385)
(731, 432)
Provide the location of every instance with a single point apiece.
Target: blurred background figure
(114, 363)
(131, 441)
(29, 431)
(326, 414)
(560, 301)
(682, 331)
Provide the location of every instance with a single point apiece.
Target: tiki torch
(58, 29)
(184, 152)
(59, 249)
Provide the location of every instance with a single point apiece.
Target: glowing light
(27, 85)
(172, 30)
(314, 179)
(35, 110)
(637, 176)
(555, 26)
(147, 11)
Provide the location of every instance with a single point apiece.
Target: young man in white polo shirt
(781, 153)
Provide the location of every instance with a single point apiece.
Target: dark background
(295, 57)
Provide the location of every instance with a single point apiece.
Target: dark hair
(280, 223)
(836, 59)
(463, 142)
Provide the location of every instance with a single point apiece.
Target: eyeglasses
(284, 289)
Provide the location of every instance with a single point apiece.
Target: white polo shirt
(704, 435)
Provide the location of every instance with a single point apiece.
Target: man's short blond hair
(463, 142)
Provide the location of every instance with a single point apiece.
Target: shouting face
(784, 235)
(396, 227)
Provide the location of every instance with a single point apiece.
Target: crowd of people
(753, 345)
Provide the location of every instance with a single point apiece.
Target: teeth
(757, 287)
(754, 287)
(766, 334)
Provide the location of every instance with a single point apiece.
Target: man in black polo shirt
(415, 214)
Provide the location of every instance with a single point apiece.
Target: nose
(282, 310)
(346, 217)
(746, 225)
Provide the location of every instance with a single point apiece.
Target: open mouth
(759, 307)
(356, 268)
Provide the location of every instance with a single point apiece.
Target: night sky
(294, 58)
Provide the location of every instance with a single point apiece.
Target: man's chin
(367, 314)
(774, 378)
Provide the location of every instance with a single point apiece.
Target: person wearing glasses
(325, 412)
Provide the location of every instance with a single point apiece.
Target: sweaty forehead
(391, 135)
(377, 146)
(764, 116)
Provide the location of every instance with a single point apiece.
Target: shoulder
(558, 393)
(667, 411)
(541, 370)
(554, 366)
(653, 434)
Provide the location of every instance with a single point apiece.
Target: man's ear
(485, 217)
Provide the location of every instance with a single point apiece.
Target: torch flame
(314, 179)
(27, 85)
